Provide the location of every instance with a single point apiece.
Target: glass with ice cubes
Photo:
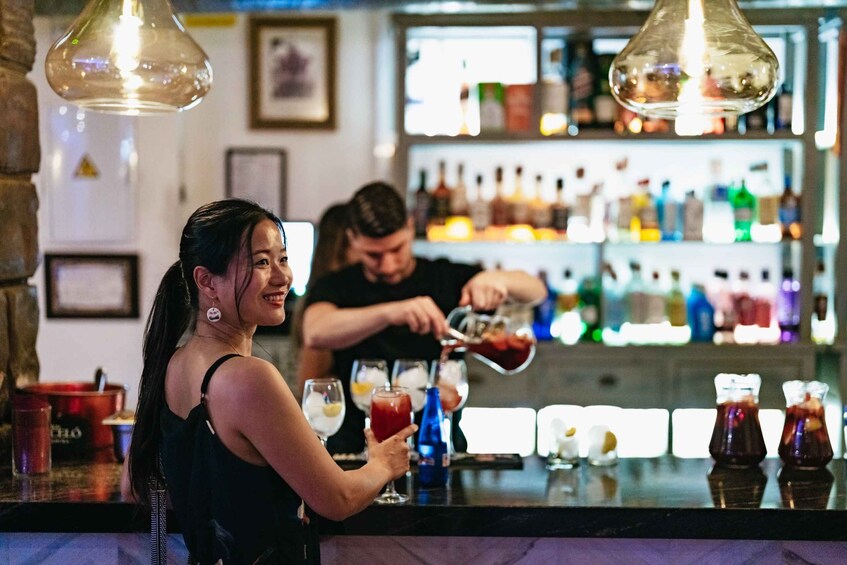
(323, 406)
(413, 375)
(367, 374)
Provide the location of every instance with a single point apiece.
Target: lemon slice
(362, 388)
(610, 442)
(332, 409)
(813, 424)
(570, 432)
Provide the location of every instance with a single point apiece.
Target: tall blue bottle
(701, 315)
(544, 313)
(434, 461)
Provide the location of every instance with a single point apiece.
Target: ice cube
(313, 406)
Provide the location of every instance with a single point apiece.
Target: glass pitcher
(500, 342)
(805, 440)
(737, 437)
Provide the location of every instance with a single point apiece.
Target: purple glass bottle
(788, 307)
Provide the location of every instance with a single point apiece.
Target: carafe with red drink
(737, 437)
(805, 441)
(500, 342)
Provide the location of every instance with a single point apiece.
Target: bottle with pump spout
(434, 462)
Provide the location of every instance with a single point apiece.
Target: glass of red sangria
(737, 436)
(391, 411)
(501, 342)
(805, 441)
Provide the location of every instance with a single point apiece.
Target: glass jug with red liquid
(737, 437)
(500, 342)
(805, 440)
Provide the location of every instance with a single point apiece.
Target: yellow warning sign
(86, 169)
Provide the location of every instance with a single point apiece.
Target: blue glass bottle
(434, 461)
(701, 315)
(544, 313)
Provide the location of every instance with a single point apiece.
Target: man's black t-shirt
(441, 280)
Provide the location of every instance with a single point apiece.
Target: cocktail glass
(323, 406)
(391, 411)
(805, 441)
(413, 375)
(367, 375)
(451, 378)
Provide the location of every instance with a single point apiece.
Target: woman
(222, 427)
(332, 252)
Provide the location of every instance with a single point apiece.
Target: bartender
(392, 304)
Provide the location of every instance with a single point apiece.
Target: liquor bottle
(636, 296)
(648, 217)
(719, 220)
(440, 197)
(559, 209)
(745, 309)
(589, 309)
(720, 295)
(499, 206)
(766, 228)
(764, 302)
(540, 210)
(620, 205)
(823, 327)
(464, 106)
(422, 206)
(613, 306)
(579, 215)
(605, 106)
(582, 72)
(554, 93)
(518, 203)
(677, 314)
(492, 111)
(544, 313)
(568, 322)
(701, 315)
(744, 207)
(434, 461)
(784, 107)
(459, 194)
(788, 307)
(656, 304)
(789, 212)
(480, 208)
(596, 214)
(668, 211)
(692, 218)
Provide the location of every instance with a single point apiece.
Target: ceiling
(47, 7)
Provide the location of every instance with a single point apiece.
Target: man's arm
(326, 326)
(488, 289)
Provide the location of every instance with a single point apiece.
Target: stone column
(19, 158)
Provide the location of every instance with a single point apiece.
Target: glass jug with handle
(737, 437)
(805, 441)
(501, 342)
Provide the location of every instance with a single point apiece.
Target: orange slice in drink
(610, 442)
(361, 388)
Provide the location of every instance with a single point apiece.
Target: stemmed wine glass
(451, 378)
(323, 406)
(391, 411)
(413, 375)
(367, 374)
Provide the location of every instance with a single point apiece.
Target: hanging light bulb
(129, 57)
(694, 58)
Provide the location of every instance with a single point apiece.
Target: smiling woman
(236, 490)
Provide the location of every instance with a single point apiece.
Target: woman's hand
(393, 453)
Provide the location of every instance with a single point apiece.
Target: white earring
(213, 315)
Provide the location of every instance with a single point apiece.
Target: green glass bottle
(743, 207)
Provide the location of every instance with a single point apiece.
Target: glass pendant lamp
(129, 57)
(694, 58)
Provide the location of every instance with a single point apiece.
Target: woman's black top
(227, 508)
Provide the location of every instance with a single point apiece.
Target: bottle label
(693, 222)
(768, 210)
(821, 306)
(560, 218)
(744, 214)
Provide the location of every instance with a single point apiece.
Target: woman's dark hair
(213, 237)
(377, 210)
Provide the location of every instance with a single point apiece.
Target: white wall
(188, 150)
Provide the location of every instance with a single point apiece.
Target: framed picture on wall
(91, 286)
(292, 73)
(257, 174)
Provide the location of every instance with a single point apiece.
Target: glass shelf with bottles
(479, 83)
(607, 193)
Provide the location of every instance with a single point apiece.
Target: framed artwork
(292, 73)
(257, 174)
(91, 286)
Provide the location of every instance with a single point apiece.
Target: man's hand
(421, 314)
(485, 291)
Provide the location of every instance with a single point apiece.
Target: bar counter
(665, 498)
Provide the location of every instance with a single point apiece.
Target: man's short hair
(377, 210)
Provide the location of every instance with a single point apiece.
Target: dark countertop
(639, 498)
